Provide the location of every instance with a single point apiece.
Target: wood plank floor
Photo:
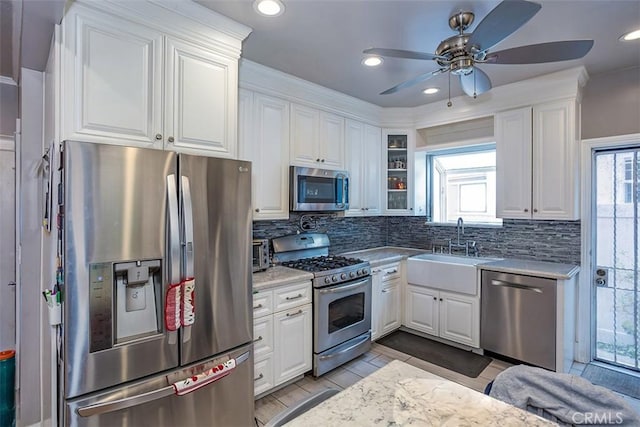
(379, 355)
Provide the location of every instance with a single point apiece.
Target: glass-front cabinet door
(399, 183)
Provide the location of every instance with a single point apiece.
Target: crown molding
(4, 80)
(558, 85)
(562, 84)
(181, 19)
(259, 78)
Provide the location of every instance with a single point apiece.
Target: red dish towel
(172, 307)
(207, 377)
(188, 302)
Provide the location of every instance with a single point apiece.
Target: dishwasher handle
(516, 285)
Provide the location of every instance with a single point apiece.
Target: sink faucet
(460, 228)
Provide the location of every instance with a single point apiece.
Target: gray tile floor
(348, 374)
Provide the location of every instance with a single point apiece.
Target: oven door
(341, 312)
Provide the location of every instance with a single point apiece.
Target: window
(628, 179)
(461, 182)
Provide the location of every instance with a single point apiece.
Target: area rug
(614, 380)
(446, 356)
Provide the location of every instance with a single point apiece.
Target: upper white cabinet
(536, 162)
(397, 149)
(317, 138)
(264, 140)
(362, 143)
(142, 75)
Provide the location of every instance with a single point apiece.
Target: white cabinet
(282, 334)
(397, 157)
(363, 164)
(386, 306)
(131, 82)
(448, 315)
(293, 338)
(264, 140)
(317, 138)
(536, 162)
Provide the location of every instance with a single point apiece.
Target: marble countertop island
(403, 395)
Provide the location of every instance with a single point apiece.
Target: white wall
(611, 104)
(8, 108)
(32, 328)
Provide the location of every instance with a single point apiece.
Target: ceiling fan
(461, 53)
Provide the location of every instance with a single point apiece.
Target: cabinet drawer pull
(261, 376)
(258, 339)
(391, 272)
(255, 307)
(384, 291)
(296, 297)
(294, 314)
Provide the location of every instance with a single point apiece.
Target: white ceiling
(322, 41)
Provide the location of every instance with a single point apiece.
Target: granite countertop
(384, 255)
(550, 270)
(402, 395)
(278, 275)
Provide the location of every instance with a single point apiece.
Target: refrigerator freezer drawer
(225, 402)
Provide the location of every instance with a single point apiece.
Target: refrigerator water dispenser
(125, 302)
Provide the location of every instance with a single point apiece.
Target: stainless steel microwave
(314, 189)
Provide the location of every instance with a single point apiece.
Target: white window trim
(586, 318)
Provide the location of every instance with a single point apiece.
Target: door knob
(158, 136)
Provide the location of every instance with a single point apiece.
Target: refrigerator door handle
(187, 224)
(127, 402)
(139, 399)
(174, 231)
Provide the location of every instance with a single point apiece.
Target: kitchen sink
(446, 272)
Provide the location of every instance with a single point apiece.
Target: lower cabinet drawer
(262, 336)
(263, 375)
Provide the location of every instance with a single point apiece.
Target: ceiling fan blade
(475, 83)
(503, 20)
(399, 53)
(541, 53)
(415, 80)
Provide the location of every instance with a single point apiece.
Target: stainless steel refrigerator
(157, 322)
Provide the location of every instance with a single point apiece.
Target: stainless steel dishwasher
(518, 317)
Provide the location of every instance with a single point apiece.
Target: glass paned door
(617, 259)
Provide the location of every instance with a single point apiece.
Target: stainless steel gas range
(341, 298)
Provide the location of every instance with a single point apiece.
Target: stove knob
(327, 280)
(343, 276)
(334, 278)
(352, 274)
(360, 272)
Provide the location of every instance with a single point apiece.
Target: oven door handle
(337, 289)
(351, 347)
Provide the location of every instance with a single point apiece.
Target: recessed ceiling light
(430, 90)
(269, 7)
(372, 61)
(633, 35)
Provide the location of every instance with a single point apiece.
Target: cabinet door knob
(257, 209)
(170, 139)
(435, 299)
(317, 160)
(322, 160)
(535, 210)
(158, 136)
(440, 299)
(526, 210)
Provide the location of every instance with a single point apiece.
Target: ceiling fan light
(431, 90)
(269, 7)
(632, 35)
(372, 61)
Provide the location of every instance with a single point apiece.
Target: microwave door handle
(341, 179)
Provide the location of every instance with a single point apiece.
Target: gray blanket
(563, 398)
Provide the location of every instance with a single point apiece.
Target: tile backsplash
(554, 241)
